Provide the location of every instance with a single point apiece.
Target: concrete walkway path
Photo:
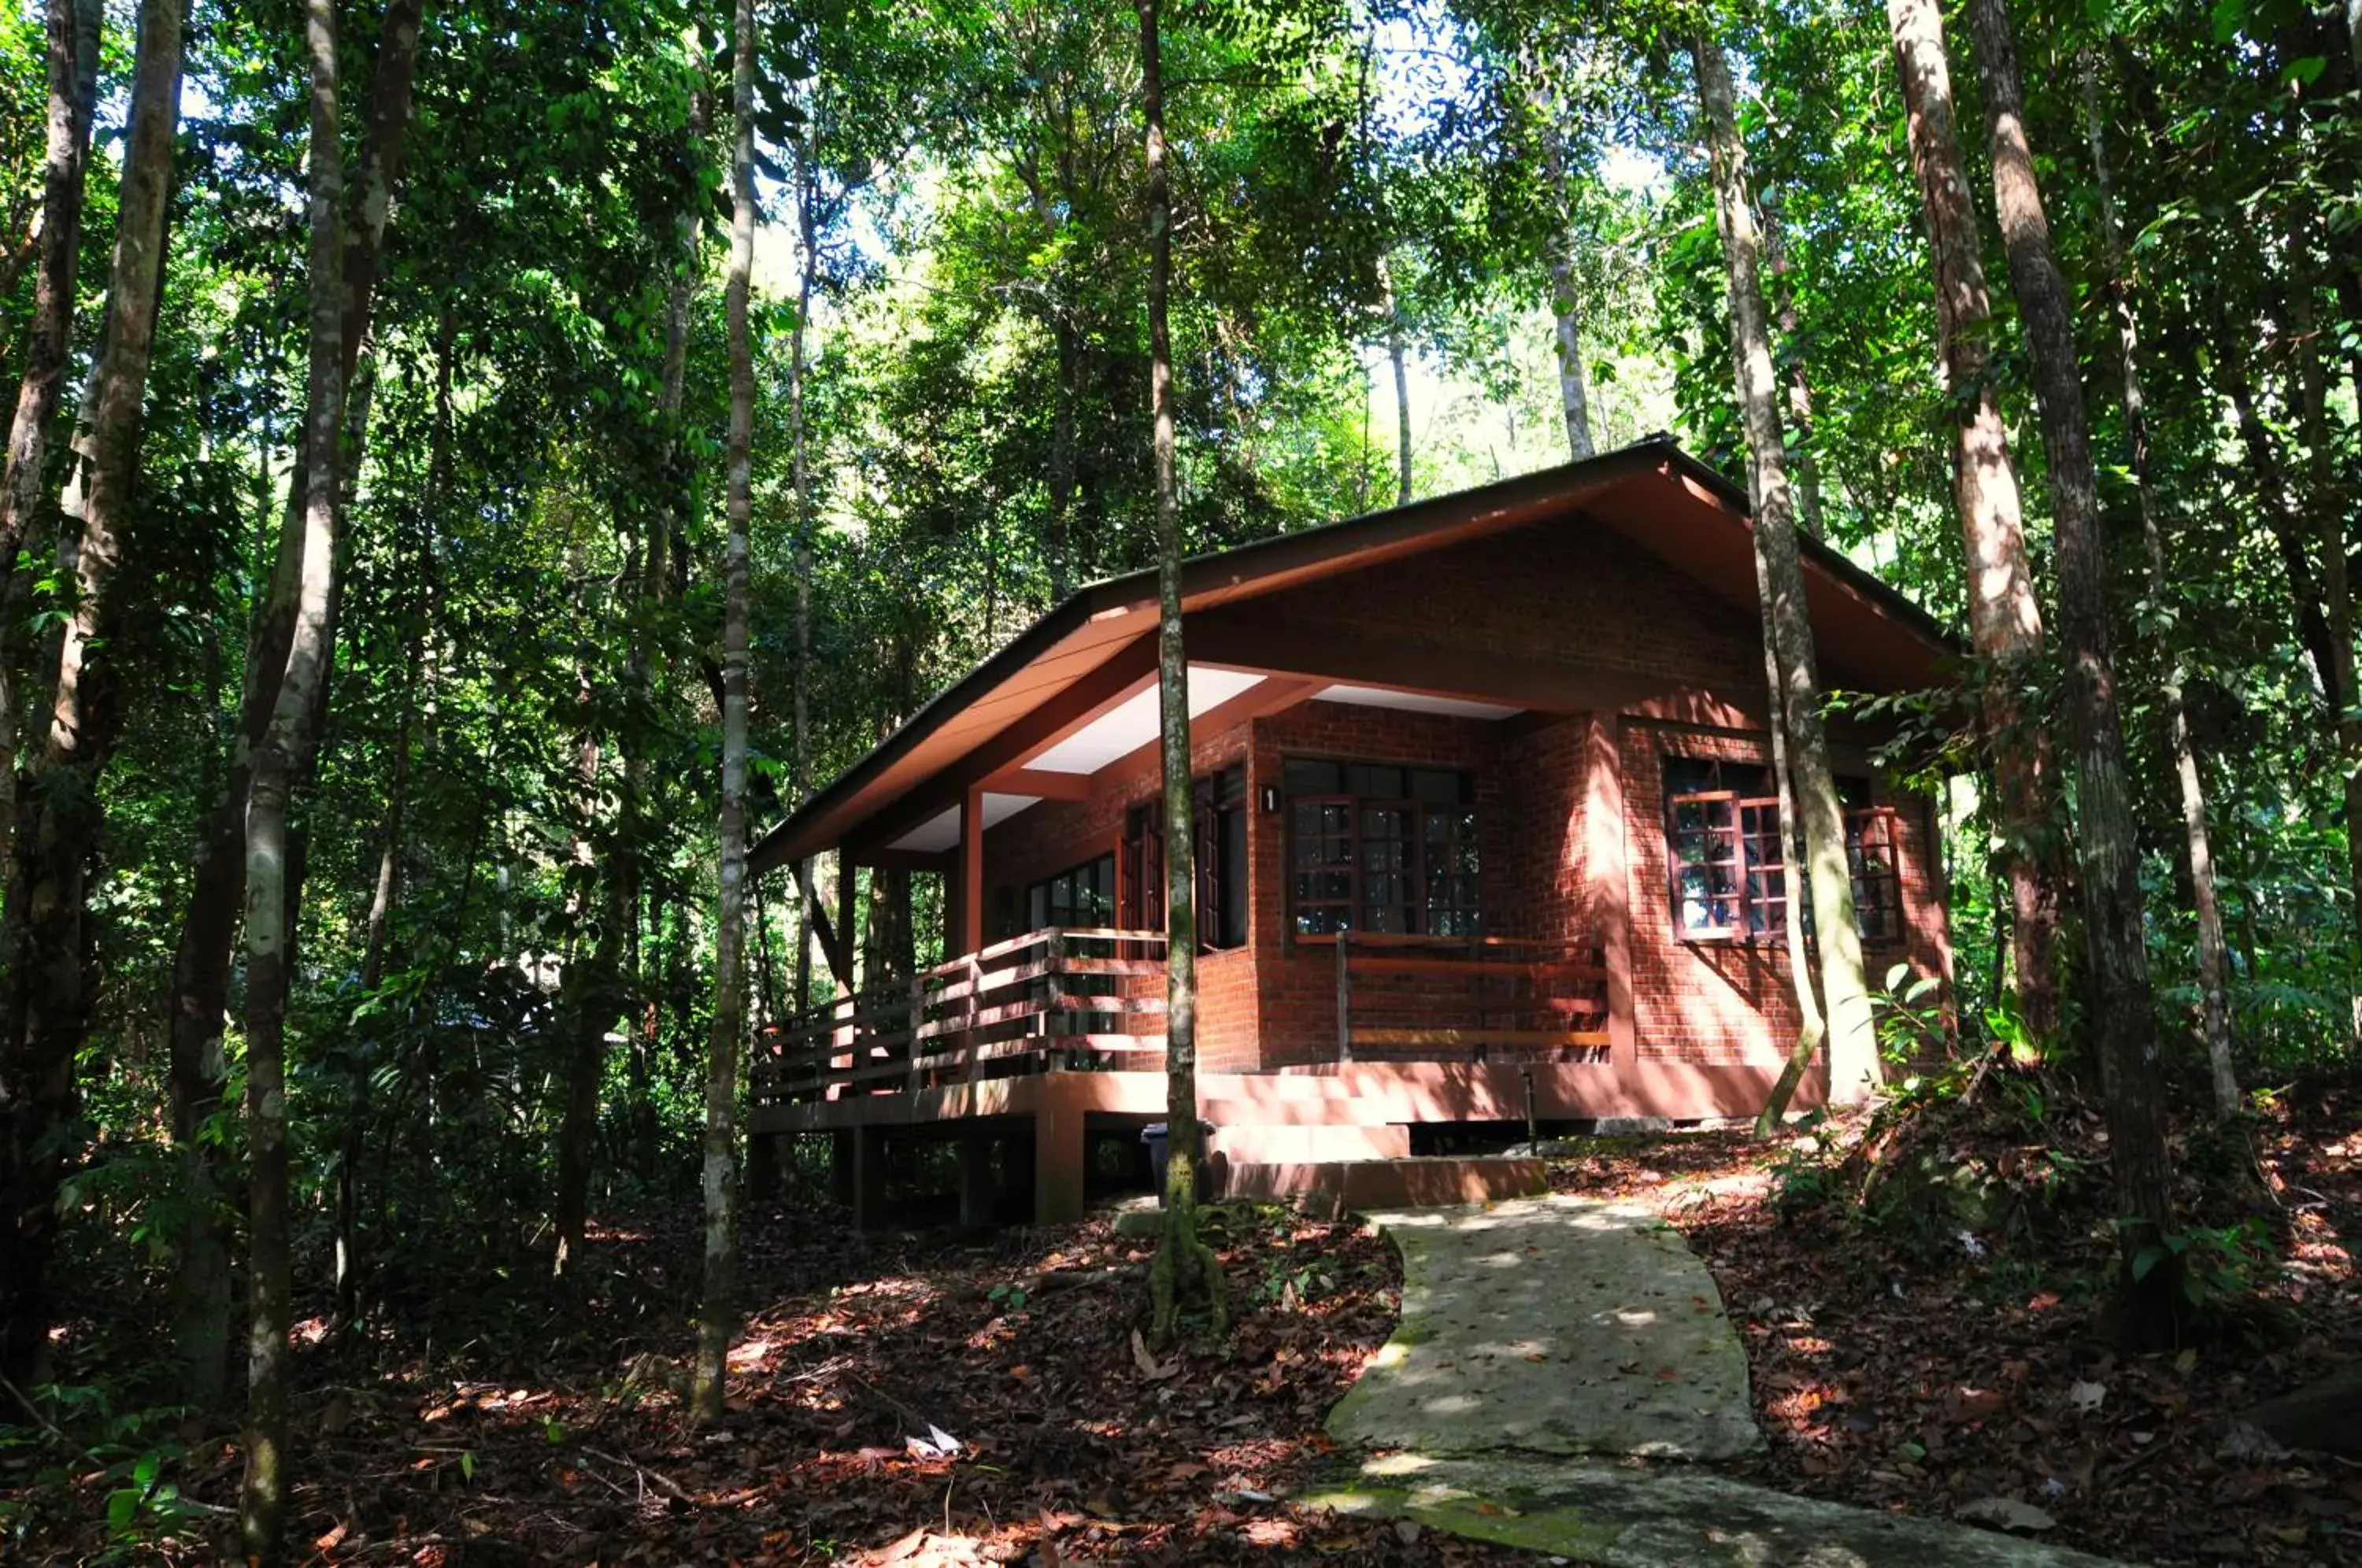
(1552, 1354)
(1556, 1326)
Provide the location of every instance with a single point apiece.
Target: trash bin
(1158, 1137)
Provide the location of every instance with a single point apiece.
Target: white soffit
(1413, 702)
(942, 831)
(1131, 723)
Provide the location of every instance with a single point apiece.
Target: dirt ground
(932, 1398)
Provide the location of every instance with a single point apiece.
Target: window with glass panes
(1381, 847)
(1722, 864)
(1082, 896)
(1220, 830)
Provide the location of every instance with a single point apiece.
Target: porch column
(971, 875)
(1606, 850)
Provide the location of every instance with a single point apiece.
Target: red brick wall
(1583, 595)
(1734, 1002)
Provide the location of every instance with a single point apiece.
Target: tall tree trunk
(587, 997)
(1852, 1036)
(1800, 386)
(800, 770)
(2213, 952)
(2116, 949)
(72, 58)
(1812, 1028)
(2310, 389)
(2004, 621)
(1185, 1265)
(716, 1312)
(44, 1010)
(1058, 533)
(278, 760)
(1566, 299)
(201, 960)
(1398, 357)
(73, 30)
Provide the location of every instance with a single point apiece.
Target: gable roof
(1654, 491)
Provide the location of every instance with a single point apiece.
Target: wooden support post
(975, 1190)
(918, 1017)
(1608, 864)
(840, 1166)
(868, 1177)
(1051, 1022)
(848, 890)
(971, 877)
(968, 1028)
(1058, 1162)
(1344, 1001)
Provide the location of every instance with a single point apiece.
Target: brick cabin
(1485, 834)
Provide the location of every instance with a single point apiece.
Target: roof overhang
(1058, 701)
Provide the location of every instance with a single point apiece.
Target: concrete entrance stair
(1330, 1142)
(1308, 1143)
(1332, 1188)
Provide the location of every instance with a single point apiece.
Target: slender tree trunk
(2004, 621)
(2213, 952)
(1566, 298)
(1800, 386)
(287, 742)
(2309, 386)
(1811, 1027)
(44, 1008)
(717, 1311)
(800, 779)
(1185, 1265)
(2116, 949)
(1398, 357)
(200, 962)
(72, 58)
(1853, 1040)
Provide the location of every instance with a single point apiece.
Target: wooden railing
(1446, 998)
(1061, 997)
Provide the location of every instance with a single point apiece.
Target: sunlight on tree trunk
(44, 961)
(1186, 1267)
(2004, 621)
(287, 744)
(2123, 1012)
(717, 1307)
(1795, 704)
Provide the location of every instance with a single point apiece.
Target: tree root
(1184, 1267)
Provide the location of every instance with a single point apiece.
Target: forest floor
(1896, 1365)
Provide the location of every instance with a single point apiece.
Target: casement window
(1873, 839)
(1380, 848)
(1082, 896)
(1219, 834)
(1722, 855)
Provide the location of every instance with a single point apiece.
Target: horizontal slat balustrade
(1064, 998)
(1464, 999)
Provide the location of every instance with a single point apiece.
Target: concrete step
(1355, 1111)
(1288, 1084)
(1309, 1142)
(1335, 1187)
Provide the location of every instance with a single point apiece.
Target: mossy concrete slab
(1557, 1326)
(1641, 1515)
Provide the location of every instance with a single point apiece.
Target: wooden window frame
(1873, 860)
(1140, 895)
(1416, 906)
(1877, 883)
